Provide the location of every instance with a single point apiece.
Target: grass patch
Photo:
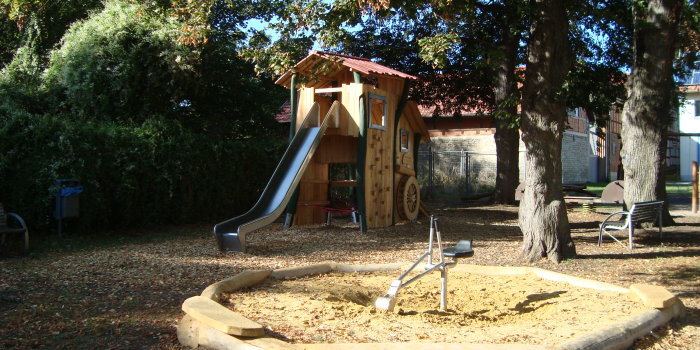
(671, 188)
(596, 187)
(679, 188)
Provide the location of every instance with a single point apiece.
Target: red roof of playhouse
(334, 63)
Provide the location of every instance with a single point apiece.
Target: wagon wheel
(408, 198)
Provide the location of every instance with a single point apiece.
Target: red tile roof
(284, 114)
(465, 111)
(363, 65)
(357, 64)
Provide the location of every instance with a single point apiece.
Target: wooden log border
(193, 333)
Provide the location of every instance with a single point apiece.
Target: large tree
(542, 214)
(649, 107)
(506, 98)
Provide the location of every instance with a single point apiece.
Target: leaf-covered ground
(128, 295)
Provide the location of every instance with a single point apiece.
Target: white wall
(576, 150)
(575, 153)
(688, 123)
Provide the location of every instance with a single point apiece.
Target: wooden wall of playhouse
(405, 183)
(340, 146)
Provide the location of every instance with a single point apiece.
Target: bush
(156, 132)
(123, 62)
(146, 174)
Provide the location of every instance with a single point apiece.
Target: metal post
(443, 288)
(695, 188)
(443, 269)
(361, 155)
(431, 165)
(430, 240)
(439, 240)
(291, 209)
(467, 172)
(293, 105)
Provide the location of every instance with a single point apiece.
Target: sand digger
(463, 249)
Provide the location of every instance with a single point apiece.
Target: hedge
(153, 173)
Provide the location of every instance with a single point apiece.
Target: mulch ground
(128, 296)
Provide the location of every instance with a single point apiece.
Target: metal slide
(231, 233)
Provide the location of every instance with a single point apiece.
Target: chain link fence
(451, 175)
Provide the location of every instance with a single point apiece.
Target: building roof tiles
(356, 64)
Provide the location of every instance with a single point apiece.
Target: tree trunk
(506, 97)
(542, 215)
(647, 112)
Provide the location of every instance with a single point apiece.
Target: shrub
(145, 174)
(123, 62)
(111, 110)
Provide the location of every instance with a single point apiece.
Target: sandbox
(332, 306)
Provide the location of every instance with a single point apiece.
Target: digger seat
(463, 249)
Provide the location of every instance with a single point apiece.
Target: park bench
(5, 229)
(640, 212)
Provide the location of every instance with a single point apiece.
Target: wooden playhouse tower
(378, 130)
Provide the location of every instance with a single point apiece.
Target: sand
(339, 308)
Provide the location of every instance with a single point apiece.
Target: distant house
(689, 124)
(588, 154)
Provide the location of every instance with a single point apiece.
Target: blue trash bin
(67, 200)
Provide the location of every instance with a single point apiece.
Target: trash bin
(67, 200)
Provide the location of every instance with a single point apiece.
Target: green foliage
(297, 24)
(48, 20)
(512, 121)
(9, 40)
(435, 49)
(21, 77)
(230, 100)
(157, 130)
(227, 99)
(393, 40)
(134, 175)
(600, 33)
(19, 81)
(596, 88)
(124, 62)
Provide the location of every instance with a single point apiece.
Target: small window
(377, 112)
(697, 109)
(405, 137)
